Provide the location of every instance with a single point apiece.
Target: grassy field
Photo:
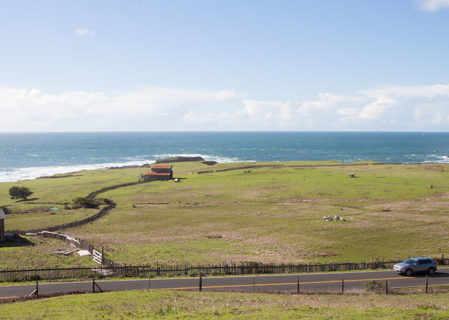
(194, 305)
(270, 213)
(37, 255)
(44, 218)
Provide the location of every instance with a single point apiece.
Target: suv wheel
(431, 271)
(408, 272)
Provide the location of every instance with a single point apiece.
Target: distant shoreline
(29, 156)
(70, 173)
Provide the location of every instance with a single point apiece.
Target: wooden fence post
(201, 282)
(297, 286)
(427, 284)
(386, 286)
(37, 287)
(93, 285)
(342, 286)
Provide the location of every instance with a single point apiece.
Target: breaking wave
(434, 158)
(29, 173)
(36, 172)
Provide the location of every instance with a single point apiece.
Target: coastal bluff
(179, 159)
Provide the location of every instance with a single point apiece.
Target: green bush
(109, 202)
(193, 273)
(82, 202)
(375, 286)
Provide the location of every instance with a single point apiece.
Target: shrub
(193, 273)
(109, 202)
(375, 286)
(82, 202)
(99, 276)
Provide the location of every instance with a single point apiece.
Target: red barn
(162, 168)
(161, 172)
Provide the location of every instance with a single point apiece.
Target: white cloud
(84, 32)
(376, 109)
(433, 5)
(349, 112)
(325, 111)
(392, 108)
(144, 109)
(267, 109)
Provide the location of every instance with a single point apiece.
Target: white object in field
(83, 253)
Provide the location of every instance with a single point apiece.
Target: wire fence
(150, 271)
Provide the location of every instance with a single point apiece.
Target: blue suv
(416, 265)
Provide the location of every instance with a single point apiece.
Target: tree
(20, 192)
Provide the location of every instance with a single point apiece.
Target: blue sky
(224, 65)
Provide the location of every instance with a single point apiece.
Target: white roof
(2, 214)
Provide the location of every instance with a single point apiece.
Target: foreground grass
(270, 213)
(208, 305)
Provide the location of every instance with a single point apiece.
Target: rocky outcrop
(179, 159)
(209, 163)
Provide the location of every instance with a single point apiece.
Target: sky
(224, 65)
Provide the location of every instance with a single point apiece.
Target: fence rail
(190, 270)
(99, 257)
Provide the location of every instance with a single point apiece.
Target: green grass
(65, 189)
(207, 305)
(36, 254)
(275, 215)
(37, 220)
(271, 214)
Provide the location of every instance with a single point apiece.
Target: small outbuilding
(2, 225)
(158, 172)
(152, 176)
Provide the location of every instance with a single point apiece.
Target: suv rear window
(424, 261)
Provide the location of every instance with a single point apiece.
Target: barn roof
(2, 214)
(157, 174)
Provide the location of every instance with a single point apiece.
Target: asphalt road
(319, 282)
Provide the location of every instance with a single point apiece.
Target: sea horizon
(226, 131)
(26, 155)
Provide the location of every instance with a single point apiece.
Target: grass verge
(217, 305)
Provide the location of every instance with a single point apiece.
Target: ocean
(30, 155)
